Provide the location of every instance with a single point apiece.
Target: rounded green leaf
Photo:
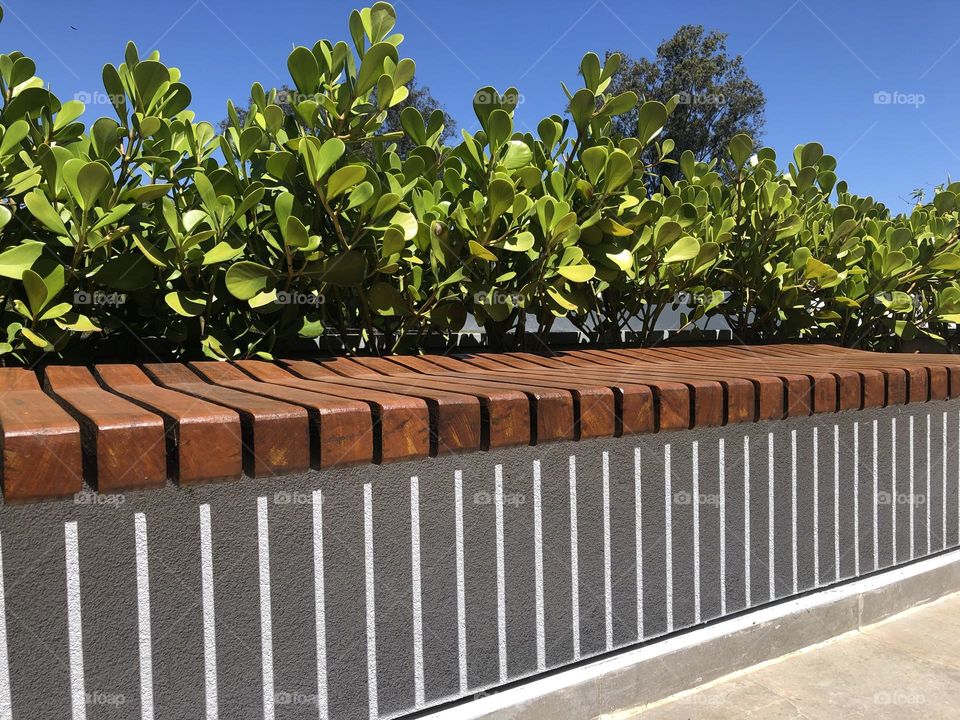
(740, 149)
(14, 261)
(686, 248)
(578, 273)
(246, 279)
(304, 70)
(652, 118)
(92, 180)
(187, 304)
(344, 179)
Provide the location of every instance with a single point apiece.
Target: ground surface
(906, 667)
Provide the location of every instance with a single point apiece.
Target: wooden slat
(594, 406)
(505, 413)
(457, 422)
(124, 446)
(341, 430)
(203, 440)
(41, 442)
(275, 435)
(551, 410)
(402, 424)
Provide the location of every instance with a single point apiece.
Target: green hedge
(287, 227)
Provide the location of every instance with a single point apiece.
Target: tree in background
(419, 98)
(717, 98)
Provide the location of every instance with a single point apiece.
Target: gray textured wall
(414, 584)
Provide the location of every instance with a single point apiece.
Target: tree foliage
(717, 99)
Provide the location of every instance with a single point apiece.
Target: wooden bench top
(127, 427)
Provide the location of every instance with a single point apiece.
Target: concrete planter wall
(382, 590)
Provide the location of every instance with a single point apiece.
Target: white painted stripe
(876, 496)
(143, 617)
(943, 505)
(695, 450)
(501, 575)
(793, 509)
(419, 696)
(816, 506)
(461, 582)
(320, 605)
(746, 519)
(912, 492)
(78, 698)
(373, 705)
(771, 579)
(607, 582)
(571, 681)
(638, 512)
(538, 565)
(209, 616)
(574, 561)
(668, 532)
(836, 502)
(722, 477)
(266, 614)
(6, 709)
(856, 498)
(929, 495)
(893, 486)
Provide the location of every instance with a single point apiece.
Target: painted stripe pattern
(569, 556)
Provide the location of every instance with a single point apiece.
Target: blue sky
(820, 62)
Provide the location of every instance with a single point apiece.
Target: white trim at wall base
(661, 668)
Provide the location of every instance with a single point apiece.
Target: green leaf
(652, 118)
(522, 242)
(946, 261)
(147, 193)
(246, 279)
(619, 171)
(13, 136)
(149, 76)
(344, 179)
(517, 154)
(372, 65)
(187, 304)
(686, 248)
(295, 233)
(501, 196)
(14, 261)
(42, 210)
(578, 273)
(92, 180)
(36, 291)
(740, 148)
(582, 106)
(304, 70)
(622, 259)
(479, 251)
(386, 300)
(346, 269)
(594, 158)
